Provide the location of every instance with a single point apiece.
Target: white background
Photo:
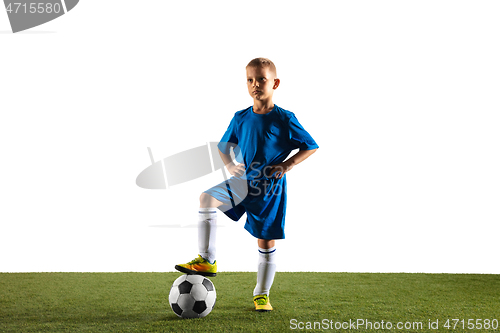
(401, 96)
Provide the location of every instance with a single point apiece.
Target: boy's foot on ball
(262, 303)
(198, 266)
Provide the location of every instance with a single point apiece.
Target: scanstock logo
(186, 166)
(182, 167)
(24, 15)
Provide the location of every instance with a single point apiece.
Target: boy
(262, 136)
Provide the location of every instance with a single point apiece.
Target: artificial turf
(138, 302)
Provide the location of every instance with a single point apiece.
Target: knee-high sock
(265, 271)
(207, 228)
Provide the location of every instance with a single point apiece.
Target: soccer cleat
(262, 303)
(198, 266)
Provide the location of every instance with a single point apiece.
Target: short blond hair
(263, 62)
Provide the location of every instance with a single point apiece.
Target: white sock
(265, 271)
(207, 227)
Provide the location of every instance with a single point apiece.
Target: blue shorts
(263, 200)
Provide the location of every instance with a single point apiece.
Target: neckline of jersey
(263, 114)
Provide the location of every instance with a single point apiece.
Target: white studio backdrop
(402, 98)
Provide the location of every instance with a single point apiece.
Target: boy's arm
(234, 169)
(287, 165)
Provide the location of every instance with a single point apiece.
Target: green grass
(138, 302)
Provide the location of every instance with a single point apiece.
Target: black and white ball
(192, 296)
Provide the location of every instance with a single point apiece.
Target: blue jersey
(264, 139)
(260, 141)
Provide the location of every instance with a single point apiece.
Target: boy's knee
(207, 201)
(266, 243)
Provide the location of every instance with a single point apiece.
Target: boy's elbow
(308, 150)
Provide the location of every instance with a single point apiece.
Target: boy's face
(261, 82)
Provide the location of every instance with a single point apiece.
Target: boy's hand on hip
(279, 170)
(286, 166)
(236, 170)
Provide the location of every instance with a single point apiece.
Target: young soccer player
(261, 136)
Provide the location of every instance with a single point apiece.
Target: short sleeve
(299, 136)
(230, 138)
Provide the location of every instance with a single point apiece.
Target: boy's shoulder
(242, 113)
(283, 114)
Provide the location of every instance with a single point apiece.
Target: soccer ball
(192, 296)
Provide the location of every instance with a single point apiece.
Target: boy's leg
(266, 243)
(265, 274)
(207, 224)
